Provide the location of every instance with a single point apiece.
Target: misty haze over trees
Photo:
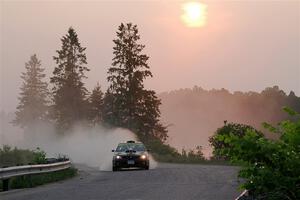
(125, 104)
(195, 113)
(61, 113)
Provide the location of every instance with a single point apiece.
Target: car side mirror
(113, 150)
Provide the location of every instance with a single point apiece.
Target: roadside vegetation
(165, 153)
(238, 130)
(29, 181)
(16, 157)
(270, 167)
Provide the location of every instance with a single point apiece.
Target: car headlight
(118, 157)
(143, 157)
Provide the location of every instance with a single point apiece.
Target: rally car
(130, 154)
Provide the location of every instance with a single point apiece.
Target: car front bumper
(127, 163)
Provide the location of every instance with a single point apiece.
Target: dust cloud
(83, 145)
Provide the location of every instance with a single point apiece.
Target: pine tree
(127, 103)
(95, 105)
(108, 110)
(69, 92)
(32, 107)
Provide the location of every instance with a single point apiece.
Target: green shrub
(236, 129)
(39, 156)
(270, 167)
(28, 181)
(14, 157)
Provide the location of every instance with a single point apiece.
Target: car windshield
(130, 146)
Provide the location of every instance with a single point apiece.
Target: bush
(14, 157)
(270, 168)
(39, 156)
(28, 181)
(236, 129)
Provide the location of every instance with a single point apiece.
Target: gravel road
(167, 181)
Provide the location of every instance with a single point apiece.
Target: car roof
(131, 143)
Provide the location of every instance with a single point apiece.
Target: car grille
(131, 157)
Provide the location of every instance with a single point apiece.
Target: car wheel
(114, 169)
(146, 167)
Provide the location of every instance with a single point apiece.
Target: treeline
(264, 106)
(65, 101)
(207, 109)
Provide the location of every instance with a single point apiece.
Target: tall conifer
(69, 92)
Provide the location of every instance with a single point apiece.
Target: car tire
(114, 169)
(146, 167)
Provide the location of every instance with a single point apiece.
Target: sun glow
(194, 14)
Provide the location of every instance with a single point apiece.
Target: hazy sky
(245, 45)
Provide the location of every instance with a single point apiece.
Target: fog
(89, 146)
(195, 114)
(245, 45)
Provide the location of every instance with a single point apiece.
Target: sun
(195, 14)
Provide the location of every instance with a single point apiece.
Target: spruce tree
(95, 105)
(108, 110)
(33, 101)
(128, 104)
(69, 92)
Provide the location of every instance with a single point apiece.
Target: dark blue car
(130, 154)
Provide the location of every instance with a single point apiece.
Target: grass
(15, 157)
(29, 181)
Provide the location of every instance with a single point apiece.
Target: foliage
(69, 93)
(39, 156)
(127, 103)
(165, 153)
(157, 146)
(194, 154)
(28, 181)
(33, 101)
(235, 129)
(96, 105)
(270, 167)
(14, 157)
